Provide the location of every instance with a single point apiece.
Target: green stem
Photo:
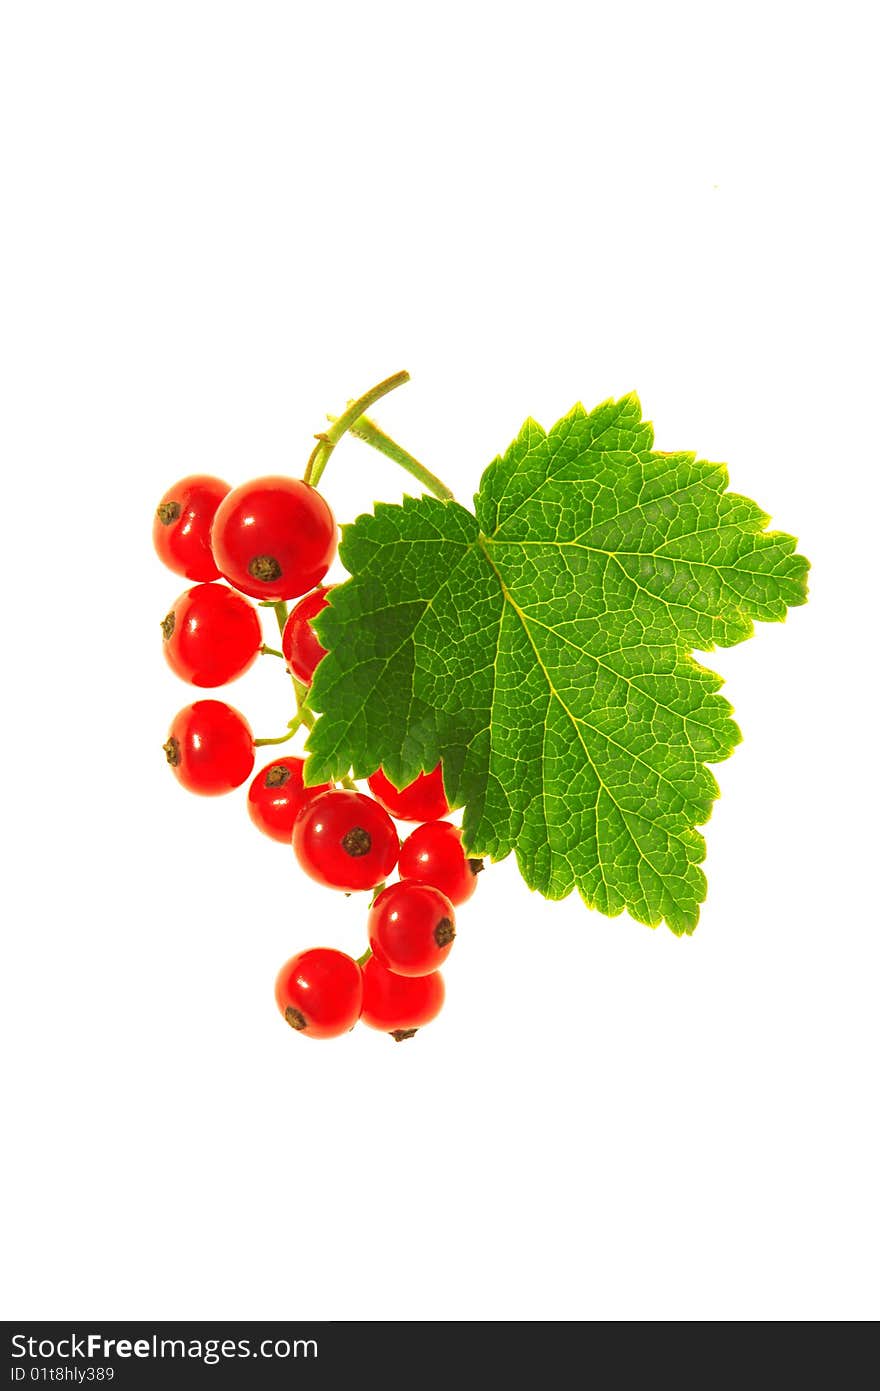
(368, 431)
(283, 738)
(271, 651)
(328, 442)
(302, 694)
(362, 960)
(280, 607)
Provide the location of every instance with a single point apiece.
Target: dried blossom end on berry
(277, 775)
(264, 568)
(444, 932)
(357, 842)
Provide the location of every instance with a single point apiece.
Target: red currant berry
(210, 747)
(433, 854)
(345, 840)
(319, 992)
(274, 538)
(277, 795)
(182, 526)
(399, 1005)
(421, 800)
(411, 928)
(211, 635)
(299, 641)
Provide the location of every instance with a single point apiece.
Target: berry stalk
(328, 441)
(367, 430)
(292, 727)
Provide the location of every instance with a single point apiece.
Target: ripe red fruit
(399, 1005)
(210, 747)
(433, 854)
(277, 795)
(319, 992)
(211, 635)
(411, 928)
(299, 641)
(421, 800)
(273, 538)
(182, 526)
(345, 841)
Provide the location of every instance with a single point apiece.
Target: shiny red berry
(411, 928)
(277, 796)
(399, 1005)
(421, 800)
(345, 841)
(211, 635)
(273, 538)
(433, 854)
(299, 641)
(182, 526)
(320, 992)
(210, 747)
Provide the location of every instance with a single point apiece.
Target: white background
(221, 221)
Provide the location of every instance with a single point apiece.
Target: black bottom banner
(96, 1354)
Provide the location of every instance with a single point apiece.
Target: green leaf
(542, 649)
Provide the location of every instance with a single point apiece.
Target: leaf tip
(684, 927)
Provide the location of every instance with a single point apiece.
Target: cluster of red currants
(273, 539)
